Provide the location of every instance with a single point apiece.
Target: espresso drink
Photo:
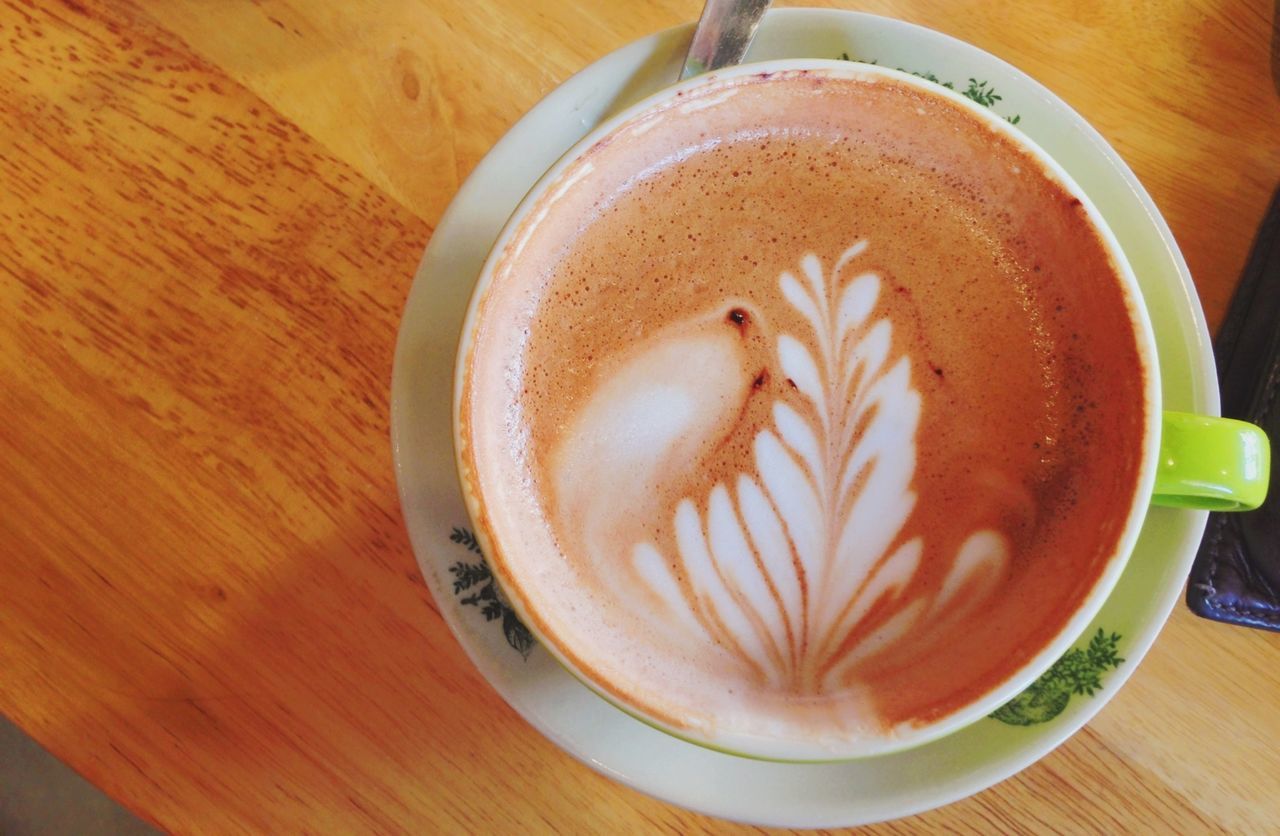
(808, 406)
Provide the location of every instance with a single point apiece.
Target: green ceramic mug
(1214, 464)
(1179, 460)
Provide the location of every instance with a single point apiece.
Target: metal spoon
(724, 32)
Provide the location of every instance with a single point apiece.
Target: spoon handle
(724, 32)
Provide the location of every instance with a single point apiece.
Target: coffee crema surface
(807, 406)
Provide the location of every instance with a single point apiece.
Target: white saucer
(795, 795)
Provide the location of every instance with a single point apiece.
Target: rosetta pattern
(799, 567)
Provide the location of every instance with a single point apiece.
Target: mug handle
(1212, 464)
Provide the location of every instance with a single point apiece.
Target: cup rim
(898, 739)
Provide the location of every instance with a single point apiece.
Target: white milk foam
(791, 553)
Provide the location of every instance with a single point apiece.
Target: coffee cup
(809, 411)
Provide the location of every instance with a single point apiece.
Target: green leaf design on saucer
(979, 91)
(1079, 671)
(486, 595)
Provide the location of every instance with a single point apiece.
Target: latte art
(782, 565)
(799, 409)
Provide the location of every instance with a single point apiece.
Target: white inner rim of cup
(901, 738)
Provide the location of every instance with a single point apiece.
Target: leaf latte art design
(799, 566)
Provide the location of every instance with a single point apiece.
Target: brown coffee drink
(805, 406)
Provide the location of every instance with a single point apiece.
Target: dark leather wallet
(1236, 575)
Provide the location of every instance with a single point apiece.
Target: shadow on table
(325, 694)
(335, 698)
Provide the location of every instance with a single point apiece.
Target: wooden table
(210, 215)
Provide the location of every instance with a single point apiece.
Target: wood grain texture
(210, 214)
